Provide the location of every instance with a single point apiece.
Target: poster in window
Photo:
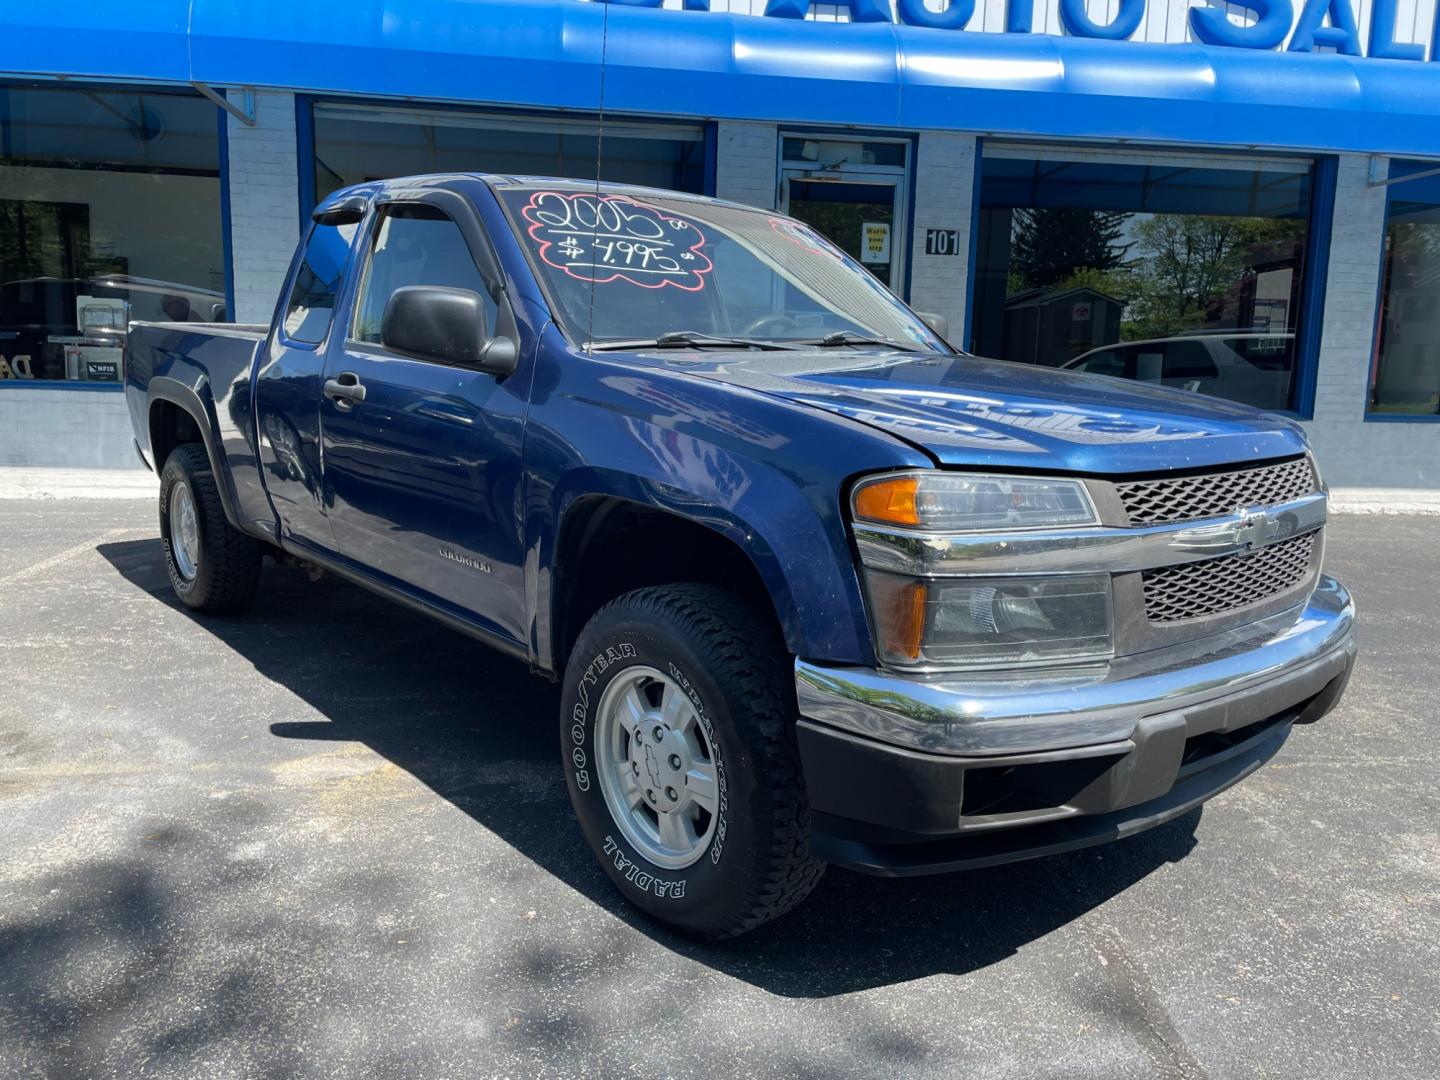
(875, 242)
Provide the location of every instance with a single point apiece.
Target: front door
(423, 473)
(853, 194)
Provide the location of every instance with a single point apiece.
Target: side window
(1189, 360)
(415, 244)
(1107, 362)
(1269, 353)
(312, 297)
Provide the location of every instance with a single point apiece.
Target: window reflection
(415, 245)
(354, 144)
(1185, 276)
(1406, 372)
(109, 214)
(317, 283)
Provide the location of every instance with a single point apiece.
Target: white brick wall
(70, 428)
(264, 204)
(944, 191)
(747, 162)
(1353, 452)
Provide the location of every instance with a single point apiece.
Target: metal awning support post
(244, 111)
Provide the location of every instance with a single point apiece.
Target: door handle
(346, 390)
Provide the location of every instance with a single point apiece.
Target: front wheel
(213, 566)
(677, 729)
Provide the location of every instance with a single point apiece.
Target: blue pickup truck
(819, 588)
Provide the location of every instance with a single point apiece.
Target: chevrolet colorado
(819, 588)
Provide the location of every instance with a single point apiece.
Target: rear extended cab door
(423, 473)
(289, 375)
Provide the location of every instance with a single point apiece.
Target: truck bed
(203, 369)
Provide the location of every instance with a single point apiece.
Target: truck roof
(501, 180)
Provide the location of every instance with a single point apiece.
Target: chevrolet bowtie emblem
(1254, 530)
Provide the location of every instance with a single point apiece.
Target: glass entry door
(853, 194)
(858, 218)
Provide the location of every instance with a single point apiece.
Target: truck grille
(1185, 498)
(1194, 590)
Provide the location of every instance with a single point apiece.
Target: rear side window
(1189, 360)
(1108, 362)
(415, 244)
(1269, 353)
(312, 297)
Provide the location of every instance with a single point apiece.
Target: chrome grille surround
(1188, 498)
(1214, 586)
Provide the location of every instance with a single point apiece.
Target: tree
(1193, 268)
(1048, 245)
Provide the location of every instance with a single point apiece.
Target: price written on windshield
(613, 238)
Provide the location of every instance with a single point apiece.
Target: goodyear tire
(213, 566)
(677, 731)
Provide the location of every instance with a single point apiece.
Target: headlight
(991, 622)
(959, 622)
(969, 502)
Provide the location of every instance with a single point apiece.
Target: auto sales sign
(1291, 25)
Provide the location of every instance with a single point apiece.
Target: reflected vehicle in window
(110, 214)
(49, 326)
(1074, 257)
(1252, 369)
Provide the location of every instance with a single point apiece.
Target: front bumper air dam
(913, 776)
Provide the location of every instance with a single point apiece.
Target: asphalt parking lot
(328, 838)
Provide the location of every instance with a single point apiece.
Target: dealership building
(1237, 201)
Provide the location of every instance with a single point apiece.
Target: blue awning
(547, 53)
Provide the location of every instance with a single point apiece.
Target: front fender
(790, 583)
(764, 473)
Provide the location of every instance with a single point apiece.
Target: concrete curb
(24, 482)
(1384, 501)
(21, 482)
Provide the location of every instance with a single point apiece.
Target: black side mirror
(938, 323)
(446, 326)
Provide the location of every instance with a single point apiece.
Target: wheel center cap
(652, 764)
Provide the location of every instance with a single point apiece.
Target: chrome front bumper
(1289, 655)
(923, 775)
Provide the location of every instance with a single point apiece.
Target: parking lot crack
(1140, 1007)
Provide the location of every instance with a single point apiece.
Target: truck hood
(988, 413)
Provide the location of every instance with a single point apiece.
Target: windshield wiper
(849, 337)
(689, 339)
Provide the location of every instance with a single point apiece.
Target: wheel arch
(177, 415)
(608, 544)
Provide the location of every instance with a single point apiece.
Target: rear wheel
(213, 566)
(677, 729)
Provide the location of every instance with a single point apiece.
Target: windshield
(660, 266)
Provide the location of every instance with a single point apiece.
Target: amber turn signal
(907, 622)
(891, 501)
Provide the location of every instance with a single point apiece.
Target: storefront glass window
(109, 214)
(354, 144)
(1180, 274)
(1405, 374)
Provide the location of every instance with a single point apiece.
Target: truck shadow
(472, 725)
